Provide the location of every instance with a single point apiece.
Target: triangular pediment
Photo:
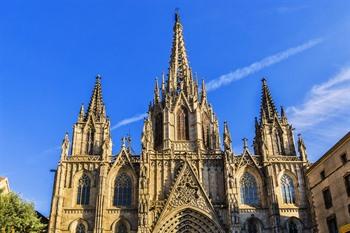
(187, 192)
(247, 159)
(182, 100)
(123, 159)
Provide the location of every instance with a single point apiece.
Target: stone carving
(188, 193)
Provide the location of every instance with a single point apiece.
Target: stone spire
(81, 116)
(283, 115)
(204, 91)
(96, 105)
(179, 70)
(267, 107)
(156, 92)
(163, 86)
(302, 148)
(227, 138)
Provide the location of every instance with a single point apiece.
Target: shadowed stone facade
(183, 180)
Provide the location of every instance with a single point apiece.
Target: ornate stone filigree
(187, 193)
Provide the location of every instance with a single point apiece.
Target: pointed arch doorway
(188, 221)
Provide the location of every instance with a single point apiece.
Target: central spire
(179, 70)
(267, 108)
(96, 105)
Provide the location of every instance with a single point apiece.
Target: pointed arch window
(90, 141)
(83, 194)
(287, 187)
(279, 142)
(122, 190)
(158, 139)
(249, 190)
(121, 228)
(206, 127)
(80, 228)
(182, 124)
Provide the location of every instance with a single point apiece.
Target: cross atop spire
(179, 70)
(267, 108)
(96, 105)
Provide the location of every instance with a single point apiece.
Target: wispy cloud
(324, 116)
(259, 65)
(130, 120)
(324, 101)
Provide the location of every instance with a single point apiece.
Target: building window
(332, 224)
(322, 175)
(182, 124)
(343, 158)
(249, 190)
(292, 227)
(83, 190)
(279, 143)
(327, 197)
(287, 187)
(80, 228)
(90, 141)
(122, 190)
(158, 139)
(347, 183)
(121, 228)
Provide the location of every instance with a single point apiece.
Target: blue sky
(51, 51)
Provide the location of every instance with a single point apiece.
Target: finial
(245, 143)
(204, 92)
(81, 112)
(263, 80)
(124, 141)
(177, 15)
(98, 76)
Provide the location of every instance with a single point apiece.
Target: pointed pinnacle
(81, 113)
(267, 107)
(156, 91)
(96, 102)
(204, 91)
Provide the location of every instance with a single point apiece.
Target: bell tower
(92, 129)
(180, 117)
(273, 133)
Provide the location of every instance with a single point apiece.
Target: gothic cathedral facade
(183, 180)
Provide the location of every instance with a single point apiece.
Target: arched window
(287, 187)
(182, 124)
(206, 131)
(158, 139)
(279, 143)
(292, 227)
(90, 141)
(80, 228)
(122, 190)
(249, 190)
(121, 228)
(83, 195)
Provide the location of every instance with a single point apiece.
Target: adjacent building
(329, 184)
(184, 180)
